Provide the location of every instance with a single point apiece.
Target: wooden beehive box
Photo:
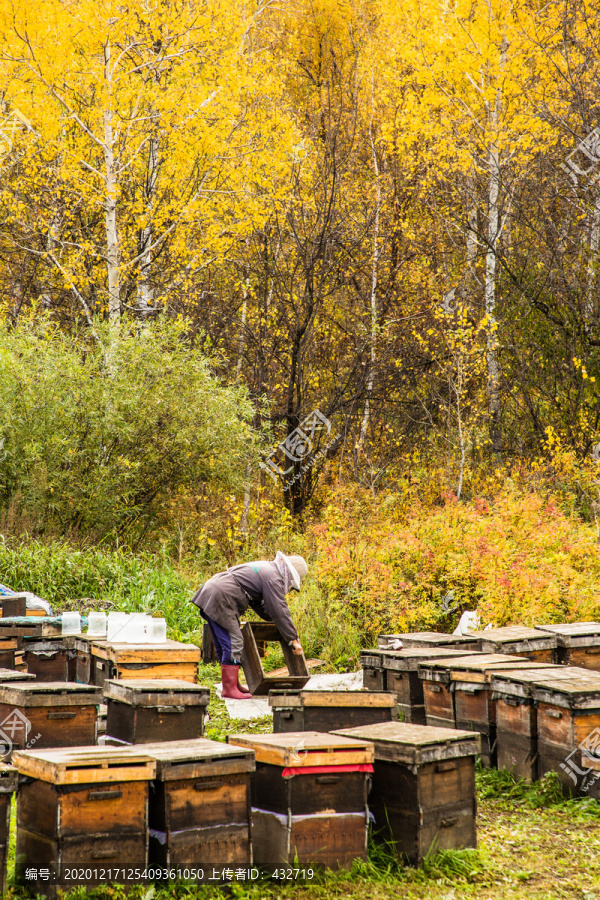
(401, 669)
(433, 639)
(568, 721)
(374, 675)
(29, 627)
(142, 712)
(516, 718)
(578, 643)
(259, 682)
(8, 786)
(200, 804)
(82, 644)
(298, 811)
(9, 647)
(82, 808)
(457, 694)
(51, 659)
(329, 710)
(423, 792)
(111, 660)
(516, 640)
(53, 714)
(14, 605)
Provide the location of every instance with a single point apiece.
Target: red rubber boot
(229, 675)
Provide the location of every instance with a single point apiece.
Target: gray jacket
(227, 595)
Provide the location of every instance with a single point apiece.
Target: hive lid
(305, 748)
(169, 651)
(515, 634)
(180, 759)
(473, 668)
(519, 682)
(573, 633)
(415, 744)
(372, 657)
(13, 675)
(434, 638)
(86, 765)
(410, 659)
(157, 692)
(360, 698)
(49, 693)
(574, 691)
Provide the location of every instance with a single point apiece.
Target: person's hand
(296, 648)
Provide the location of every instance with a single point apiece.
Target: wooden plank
(332, 698)
(167, 652)
(305, 748)
(48, 693)
(184, 671)
(414, 744)
(156, 692)
(86, 765)
(14, 675)
(409, 660)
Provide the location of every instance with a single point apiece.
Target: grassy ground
(531, 843)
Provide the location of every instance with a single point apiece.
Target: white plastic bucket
(70, 623)
(97, 624)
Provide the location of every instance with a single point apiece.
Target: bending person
(260, 585)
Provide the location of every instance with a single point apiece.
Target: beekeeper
(260, 585)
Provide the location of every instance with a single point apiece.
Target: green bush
(102, 434)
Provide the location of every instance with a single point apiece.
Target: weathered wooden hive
(259, 682)
(401, 669)
(423, 791)
(144, 711)
(170, 659)
(329, 710)
(516, 718)
(53, 714)
(457, 694)
(374, 675)
(51, 659)
(578, 643)
(568, 723)
(516, 640)
(309, 798)
(82, 808)
(200, 804)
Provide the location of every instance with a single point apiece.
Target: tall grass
(100, 579)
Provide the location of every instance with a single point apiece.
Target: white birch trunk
(145, 291)
(112, 238)
(373, 298)
(590, 304)
(494, 228)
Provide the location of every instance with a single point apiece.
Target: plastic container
(70, 623)
(115, 625)
(156, 631)
(97, 624)
(134, 631)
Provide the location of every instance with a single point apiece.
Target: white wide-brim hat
(297, 568)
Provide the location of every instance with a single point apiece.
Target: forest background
(307, 275)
